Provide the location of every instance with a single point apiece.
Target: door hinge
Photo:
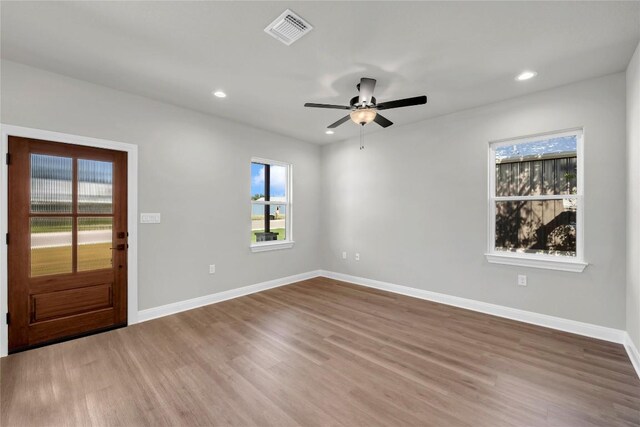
(8, 158)
(8, 318)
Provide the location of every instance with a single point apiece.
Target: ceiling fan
(364, 108)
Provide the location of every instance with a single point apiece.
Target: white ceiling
(460, 55)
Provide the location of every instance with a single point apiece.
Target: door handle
(120, 247)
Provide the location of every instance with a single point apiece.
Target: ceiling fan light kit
(363, 116)
(364, 108)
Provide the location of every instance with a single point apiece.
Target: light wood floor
(322, 352)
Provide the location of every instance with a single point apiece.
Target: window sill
(549, 263)
(262, 247)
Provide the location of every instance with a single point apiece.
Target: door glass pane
(537, 226)
(51, 241)
(94, 243)
(95, 186)
(51, 178)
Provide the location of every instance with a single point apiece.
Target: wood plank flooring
(323, 352)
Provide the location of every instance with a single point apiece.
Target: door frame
(132, 213)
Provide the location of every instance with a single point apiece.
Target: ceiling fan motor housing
(356, 99)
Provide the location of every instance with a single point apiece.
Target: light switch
(150, 218)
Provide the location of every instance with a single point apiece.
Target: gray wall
(384, 202)
(194, 169)
(633, 198)
(413, 203)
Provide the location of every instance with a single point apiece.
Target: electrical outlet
(357, 256)
(522, 280)
(212, 269)
(344, 255)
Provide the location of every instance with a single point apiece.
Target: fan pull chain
(362, 137)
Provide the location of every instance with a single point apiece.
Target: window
(536, 203)
(270, 205)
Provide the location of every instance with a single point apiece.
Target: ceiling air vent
(288, 27)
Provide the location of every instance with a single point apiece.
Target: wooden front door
(67, 242)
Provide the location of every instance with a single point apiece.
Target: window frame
(553, 262)
(276, 244)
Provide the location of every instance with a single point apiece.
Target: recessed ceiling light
(220, 94)
(526, 75)
(329, 132)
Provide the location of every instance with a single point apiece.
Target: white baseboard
(177, 307)
(594, 331)
(633, 353)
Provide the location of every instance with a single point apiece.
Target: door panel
(48, 306)
(67, 241)
(48, 331)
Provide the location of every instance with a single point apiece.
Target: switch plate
(149, 218)
(344, 255)
(522, 280)
(357, 256)
(212, 269)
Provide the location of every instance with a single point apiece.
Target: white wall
(633, 198)
(194, 169)
(413, 203)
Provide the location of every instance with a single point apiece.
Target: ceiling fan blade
(407, 102)
(366, 90)
(339, 122)
(382, 121)
(335, 107)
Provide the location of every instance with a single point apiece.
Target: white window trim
(279, 244)
(575, 264)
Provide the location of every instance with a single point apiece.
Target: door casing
(132, 213)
